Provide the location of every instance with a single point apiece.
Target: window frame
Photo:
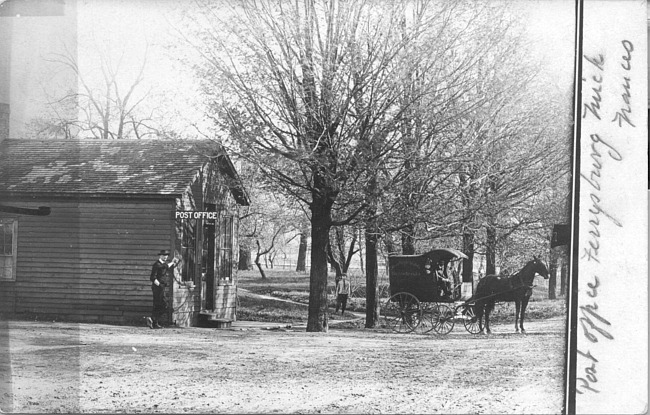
(188, 251)
(13, 221)
(225, 248)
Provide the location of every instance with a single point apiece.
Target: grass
(256, 309)
(294, 286)
(280, 281)
(537, 309)
(285, 285)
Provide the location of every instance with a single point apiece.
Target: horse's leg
(524, 304)
(488, 309)
(478, 311)
(517, 304)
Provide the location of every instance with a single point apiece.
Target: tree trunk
(372, 272)
(408, 242)
(390, 246)
(259, 267)
(302, 251)
(468, 264)
(372, 268)
(321, 211)
(552, 271)
(336, 266)
(361, 253)
(120, 127)
(563, 275)
(244, 259)
(490, 250)
(257, 259)
(351, 251)
(338, 249)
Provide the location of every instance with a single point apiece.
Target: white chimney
(4, 121)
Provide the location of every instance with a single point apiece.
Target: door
(207, 266)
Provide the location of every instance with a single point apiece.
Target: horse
(517, 287)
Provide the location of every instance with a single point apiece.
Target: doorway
(207, 266)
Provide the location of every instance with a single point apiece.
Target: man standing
(158, 284)
(342, 293)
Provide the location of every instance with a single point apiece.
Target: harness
(514, 283)
(521, 284)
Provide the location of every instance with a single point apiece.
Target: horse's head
(538, 267)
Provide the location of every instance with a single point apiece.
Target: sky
(127, 31)
(131, 27)
(141, 30)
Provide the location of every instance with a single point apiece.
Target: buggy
(427, 293)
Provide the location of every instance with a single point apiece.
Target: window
(8, 228)
(225, 248)
(188, 249)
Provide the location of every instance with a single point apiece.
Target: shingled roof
(103, 167)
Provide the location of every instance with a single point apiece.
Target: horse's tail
(477, 292)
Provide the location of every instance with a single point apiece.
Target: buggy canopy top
(408, 273)
(443, 254)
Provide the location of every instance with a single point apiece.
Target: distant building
(30, 32)
(113, 205)
(55, 54)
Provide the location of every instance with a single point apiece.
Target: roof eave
(238, 192)
(93, 195)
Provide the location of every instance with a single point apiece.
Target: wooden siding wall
(89, 260)
(7, 297)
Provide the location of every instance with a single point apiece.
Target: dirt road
(63, 367)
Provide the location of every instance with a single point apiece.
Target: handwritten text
(593, 106)
(590, 374)
(623, 115)
(598, 147)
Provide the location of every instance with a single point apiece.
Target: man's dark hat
(163, 252)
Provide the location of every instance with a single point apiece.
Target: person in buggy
(442, 279)
(438, 277)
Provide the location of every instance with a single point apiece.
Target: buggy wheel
(443, 319)
(428, 317)
(470, 320)
(402, 313)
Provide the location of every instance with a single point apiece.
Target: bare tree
(342, 247)
(322, 96)
(262, 251)
(314, 85)
(265, 223)
(107, 104)
(519, 156)
(413, 190)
